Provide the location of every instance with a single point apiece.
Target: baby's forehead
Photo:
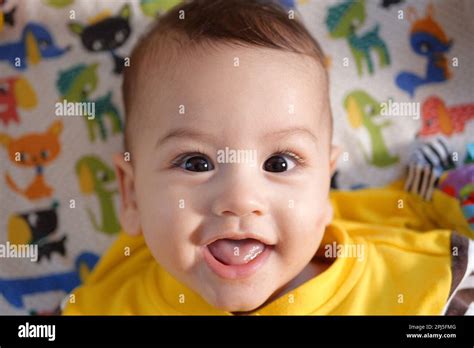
(230, 87)
(234, 59)
(226, 71)
(240, 78)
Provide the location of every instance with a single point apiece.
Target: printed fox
(33, 150)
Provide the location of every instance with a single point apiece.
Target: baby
(225, 184)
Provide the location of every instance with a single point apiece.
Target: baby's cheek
(301, 225)
(166, 237)
(168, 225)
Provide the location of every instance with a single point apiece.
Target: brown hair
(261, 23)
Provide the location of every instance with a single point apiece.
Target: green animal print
(76, 85)
(344, 20)
(94, 176)
(363, 110)
(152, 8)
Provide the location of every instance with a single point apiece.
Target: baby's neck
(315, 267)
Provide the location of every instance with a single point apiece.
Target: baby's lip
(241, 235)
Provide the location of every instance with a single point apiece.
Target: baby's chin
(235, 298)
(242, 295)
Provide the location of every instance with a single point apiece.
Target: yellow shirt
(402, 271)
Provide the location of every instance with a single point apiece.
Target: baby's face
(231, 171)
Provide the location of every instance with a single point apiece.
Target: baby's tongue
(236, 252)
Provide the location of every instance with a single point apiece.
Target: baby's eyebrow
(185, 133)
(283, 133)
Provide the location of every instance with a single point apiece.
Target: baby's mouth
(236, 252)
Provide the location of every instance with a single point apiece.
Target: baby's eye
(279, 163)
(195, 163)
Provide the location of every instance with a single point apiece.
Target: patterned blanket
(401, 72)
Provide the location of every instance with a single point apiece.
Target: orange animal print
(33, 150)
(438, 118)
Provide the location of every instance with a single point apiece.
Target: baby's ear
(129, 215)
(333, 157)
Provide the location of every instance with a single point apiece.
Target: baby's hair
(205, 23)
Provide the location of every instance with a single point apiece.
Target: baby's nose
(239, 195)
(239, 207)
